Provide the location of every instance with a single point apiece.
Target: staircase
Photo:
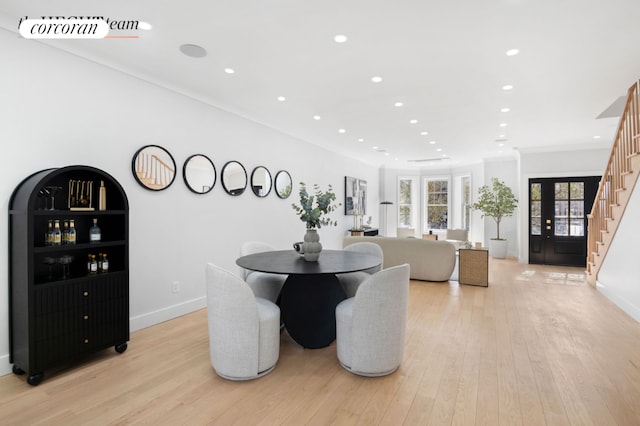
(616, 186)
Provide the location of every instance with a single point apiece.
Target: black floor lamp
(386, 204)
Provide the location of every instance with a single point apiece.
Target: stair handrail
(625, 145)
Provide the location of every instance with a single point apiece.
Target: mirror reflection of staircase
(153, 172)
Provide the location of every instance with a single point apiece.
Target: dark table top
(292, 263)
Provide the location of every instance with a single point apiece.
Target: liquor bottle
(105, 263)
(89, 264)
(57, 234)
(65, 233)
(93, 265)
(94, 232)
(48, 238)
(99, 262)
(72, 232)
(102, 197)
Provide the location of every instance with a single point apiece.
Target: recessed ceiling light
(413, 121)
(501, 136)
(144, 25)
(398, 104)
(507, 87)
(512, 52)
(444, 155)
(386, 153)
(282, 98)
(432, 142)
(396, 159)
(503, 124)
(500, 144)
(229, 70)
(375, 147)
(505, 109)
(596, 137)
(376, 79)
(439, 150)
(340, 38)
(193, 50)
(342, 131)
(360, 140)
(316, 117)
(424, 133)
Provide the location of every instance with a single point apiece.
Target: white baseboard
(630, 309)
(5, 366)
(165, 314)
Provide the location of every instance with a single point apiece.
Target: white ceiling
(444, 60)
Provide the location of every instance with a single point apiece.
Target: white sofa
(429, 260)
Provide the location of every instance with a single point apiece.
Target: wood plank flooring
(538, 346)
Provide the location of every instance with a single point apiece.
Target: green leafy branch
(312, 214)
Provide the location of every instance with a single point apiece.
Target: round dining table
(312, 290)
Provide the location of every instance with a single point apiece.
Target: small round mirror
(153, 167)
(199, 173)
(283, 184)
(261, 181)
(234, 178)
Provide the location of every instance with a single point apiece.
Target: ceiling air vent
(428, 160)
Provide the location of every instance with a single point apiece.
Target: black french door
(558, 209)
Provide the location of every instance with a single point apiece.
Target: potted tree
(496, 201)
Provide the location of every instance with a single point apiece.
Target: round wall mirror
(199, 173)
(283, 184)
(234, 178)
(153, 167)
(261, 181)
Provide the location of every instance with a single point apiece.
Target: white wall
(589, 162)
(58, 110)
(619, 275)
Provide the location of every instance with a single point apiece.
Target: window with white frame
(436, 203)
(405, 203)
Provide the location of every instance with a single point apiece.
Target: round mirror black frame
(232, 191)
(142, 171)
(205, 188)
(258, 189)
(281, 192)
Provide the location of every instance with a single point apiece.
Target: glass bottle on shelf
(65, 233)
(48, 237)
(99, 262)
(72, 232)
(94, 232)
(93, 265)
(57, 234)
(105, 263)
(102, 197)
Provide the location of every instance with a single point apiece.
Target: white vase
(311, 245)
(498, 248)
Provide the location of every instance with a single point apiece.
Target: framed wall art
(355, 196)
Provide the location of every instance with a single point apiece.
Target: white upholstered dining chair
(370, 327)
(262, 284)
(244, 330)
(351, 280)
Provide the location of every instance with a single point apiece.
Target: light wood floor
(538, 346)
